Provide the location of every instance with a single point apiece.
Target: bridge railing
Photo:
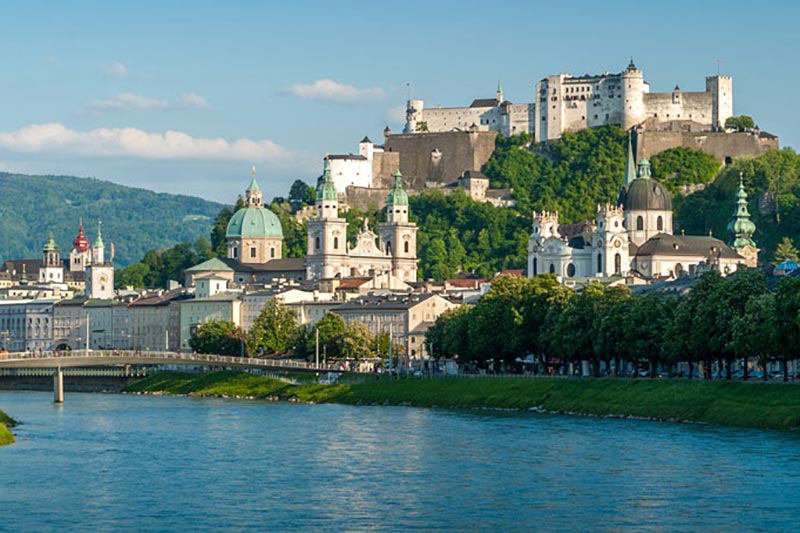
(135, 356)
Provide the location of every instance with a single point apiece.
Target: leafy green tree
(755, 332)
(357, 342)
(301, 194)
(786, 251)
(274, 330)
(218, 337)
(681, 166)
(740, 123)
(787, 312)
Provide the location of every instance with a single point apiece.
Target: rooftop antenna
(719, 62)
(408, 90)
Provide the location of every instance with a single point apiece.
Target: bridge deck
(84, 358)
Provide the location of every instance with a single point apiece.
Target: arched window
(599, 263)
(660, 223)
(617, 264)
(235, 253)
(535, 266)
(336, 243)
(272, 252)
(316, 243)
(570, 270)
(552, 268)
(252, 251)
(639, 223)
(405, 247)
(388, 248)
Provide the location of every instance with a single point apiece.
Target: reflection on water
(112, 462)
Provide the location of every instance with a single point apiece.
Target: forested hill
(135, 220)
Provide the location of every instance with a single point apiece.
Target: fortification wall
(723, 146)
(445, 119)
(693, 106)
(384, 165)
(440, 157)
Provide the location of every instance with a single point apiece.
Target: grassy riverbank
(757, 405)
(6, 437)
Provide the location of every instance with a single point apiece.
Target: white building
(26, 325)
(568, 103)
(484, 114)
(632, 237)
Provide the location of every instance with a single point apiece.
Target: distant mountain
(135, 220)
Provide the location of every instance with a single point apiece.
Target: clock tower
(100, 275)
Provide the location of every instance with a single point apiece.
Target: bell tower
(327, 233)
(100, 275)
(398, 236)
(52, 270)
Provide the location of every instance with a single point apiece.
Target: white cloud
(396, 114)
(138, 102)
(56, 138)
(331, 91)
(192, 100)
(117, 70)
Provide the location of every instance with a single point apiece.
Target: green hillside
(135, 220)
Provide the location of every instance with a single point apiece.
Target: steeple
(253, 194)
(499, 92)
(398, 196)
(327, 190)
(630, 165)
(631, 65)
(98, 252)
(740, 225)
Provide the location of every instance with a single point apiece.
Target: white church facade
(635, 238)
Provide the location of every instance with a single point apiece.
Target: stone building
(633, 237)
(484, 114)
(566, 103)
(329, 253)
(405, 317)
(372, 167)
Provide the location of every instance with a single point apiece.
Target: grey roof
(365, 139)
(348, 156)
(485, 102)
(273, 265)
(391, 302)
(664, 244)
(647, 194)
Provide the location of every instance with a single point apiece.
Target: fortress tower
(721, 89)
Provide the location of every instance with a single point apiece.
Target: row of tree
(276, 331)
(720, 320)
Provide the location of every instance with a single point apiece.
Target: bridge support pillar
(58, 386)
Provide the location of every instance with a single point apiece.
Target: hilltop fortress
(446, 147)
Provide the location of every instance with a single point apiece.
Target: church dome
(398, 196)
(646, 194)
(80, 243)
(250, 222)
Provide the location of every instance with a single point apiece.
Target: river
(111, 462)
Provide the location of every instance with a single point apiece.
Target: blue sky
(186, 96)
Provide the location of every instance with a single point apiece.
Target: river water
(112, 462)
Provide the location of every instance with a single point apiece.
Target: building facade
(568, 104)
(329, 254)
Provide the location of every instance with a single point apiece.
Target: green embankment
(6, 437)
(756, 405)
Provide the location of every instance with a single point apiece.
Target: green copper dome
(398, 196)
(254, 222)
(327, 190)
(51, 245)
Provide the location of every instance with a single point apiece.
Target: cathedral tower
(80, 257)
(398, 236)
(52, 269)
(254, 234)
(327, 233)
(610, 256)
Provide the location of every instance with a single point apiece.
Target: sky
(184, 97)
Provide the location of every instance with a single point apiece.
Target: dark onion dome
(645, 193)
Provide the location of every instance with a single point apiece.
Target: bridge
(104, 358)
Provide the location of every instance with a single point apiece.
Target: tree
(785, 252)
(301, 194)
(221, 337)
(740, 123)
(755, 332)
(787, 313)
(274, 330)
(357, 342)
(331, 328)
(681, 166)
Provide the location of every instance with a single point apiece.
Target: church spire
(740, 225)
(98, 243)
(327, 190)
(253, 194)
(630, 165)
